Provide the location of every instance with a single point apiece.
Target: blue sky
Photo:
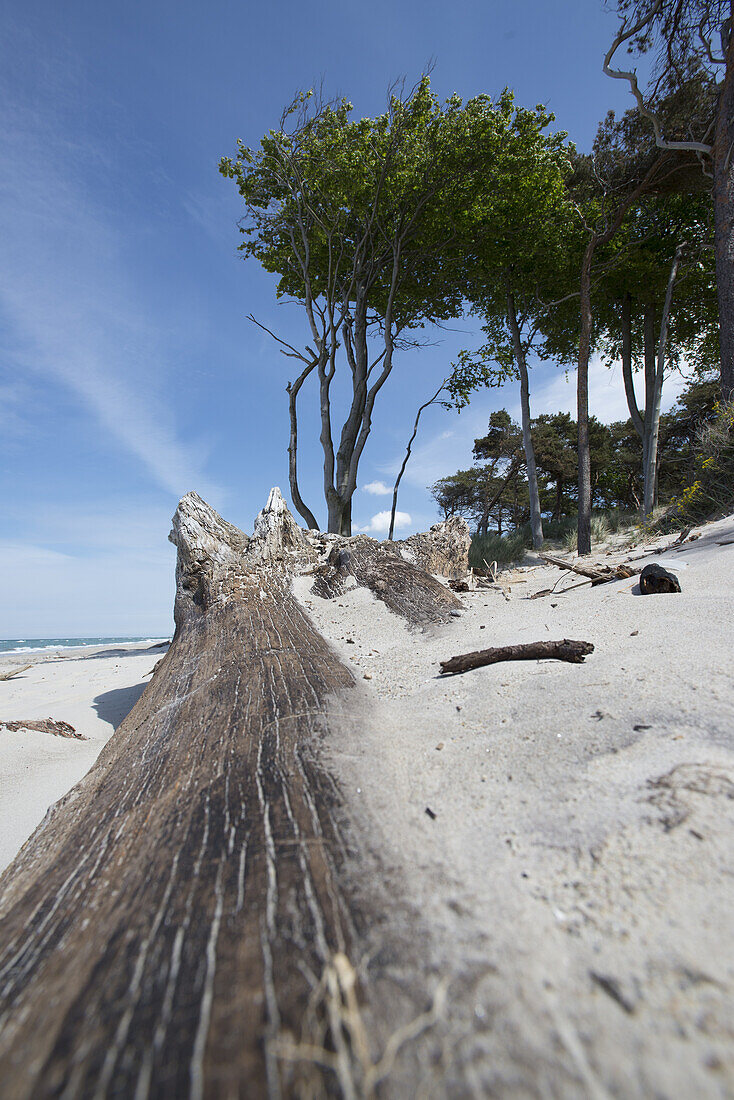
(128, 371)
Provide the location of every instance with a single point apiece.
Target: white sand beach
(573, 883)
(91, 688)
(577, 877)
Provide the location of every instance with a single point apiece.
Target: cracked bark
(176, 925)
(159, 928)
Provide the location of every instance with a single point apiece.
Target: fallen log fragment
(44, 725)
(162, 931)
(564, 650)
(600, 574)
(405, 588)
(614, 573)
(14, 672)
(561, 563)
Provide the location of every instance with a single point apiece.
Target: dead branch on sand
(565, 650)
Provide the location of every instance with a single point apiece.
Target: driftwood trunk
(177, 926)
(160, 929)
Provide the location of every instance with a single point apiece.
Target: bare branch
(292, 353)
(625, 33)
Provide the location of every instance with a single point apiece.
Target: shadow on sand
(114, 706)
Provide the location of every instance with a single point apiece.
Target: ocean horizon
(34, 645)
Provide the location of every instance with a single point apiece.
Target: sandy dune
(573, 883)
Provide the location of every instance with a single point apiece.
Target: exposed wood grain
(164, 928)
(404, 587)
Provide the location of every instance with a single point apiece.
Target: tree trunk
(653, 398)
(724, 220)
(629, 385)
(302, 508)
(582, 393)
(536, 521)
(650, 365)
(339, 516)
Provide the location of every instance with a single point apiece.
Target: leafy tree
(356, 218)
(692, 43)
(657, 307)
(517, 256)
(606, 187)
(554, 441)
(502, 446)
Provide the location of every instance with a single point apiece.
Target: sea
(34, 645)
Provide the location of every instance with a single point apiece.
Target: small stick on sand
(14, 672)
(583, 571)
(565, 650)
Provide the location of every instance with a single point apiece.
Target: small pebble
(439, 746)
(368, 675)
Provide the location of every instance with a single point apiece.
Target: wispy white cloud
(66, 300)
(380, 523)
(377, 488)
(607, 399)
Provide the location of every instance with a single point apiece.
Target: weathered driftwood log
(405, 588)
(164, 930)
(561, 563)
(565, 650)
(44, 725)
(443, 550)
(11, 672)
(598, 574)
(177, 926)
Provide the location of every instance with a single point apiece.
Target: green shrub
(711, 489)
(500, 548)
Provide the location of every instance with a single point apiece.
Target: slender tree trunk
(399, 478)
(723, 156)
(596, 238)
(301, 507)
(582, 386)
(536, 521)
(653, 400)
(650, 350)
(629, 385)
